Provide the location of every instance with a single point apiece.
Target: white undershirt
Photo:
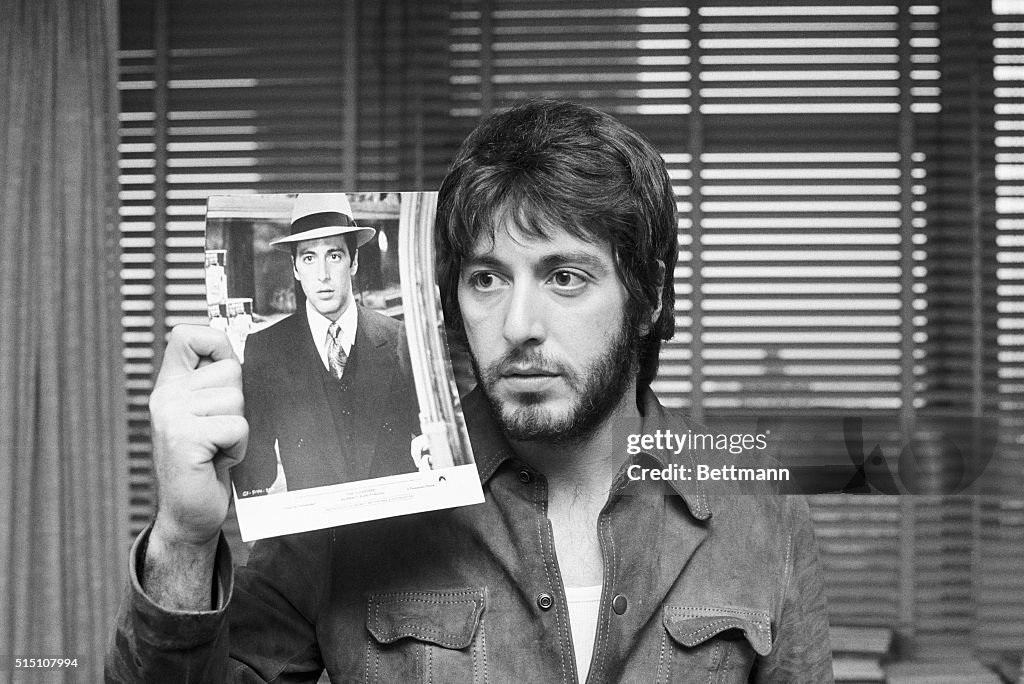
(319, 324)
(584, 608)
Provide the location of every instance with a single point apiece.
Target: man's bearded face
(551, 340)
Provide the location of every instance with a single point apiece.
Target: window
(849, 190)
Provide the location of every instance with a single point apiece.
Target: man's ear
(295, 270)
(355, 262)
(656, 311)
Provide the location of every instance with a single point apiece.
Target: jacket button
(525, 476)
(544, 601)
(619, 604)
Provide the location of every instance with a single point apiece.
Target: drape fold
(63, 453)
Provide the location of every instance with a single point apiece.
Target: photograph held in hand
(311, 299)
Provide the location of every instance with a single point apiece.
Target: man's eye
(335, 256)
(567, 280)
(485, 281)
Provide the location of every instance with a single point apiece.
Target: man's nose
(524, 317)
(322, 273)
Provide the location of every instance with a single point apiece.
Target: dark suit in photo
(328, 431)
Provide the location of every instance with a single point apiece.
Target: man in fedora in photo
(328, 389)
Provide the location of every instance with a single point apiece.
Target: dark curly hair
(546, 165)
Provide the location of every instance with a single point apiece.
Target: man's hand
(198, 433)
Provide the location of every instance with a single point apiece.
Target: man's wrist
(178, 575)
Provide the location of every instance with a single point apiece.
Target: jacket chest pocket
(426, 636)
(712, 645)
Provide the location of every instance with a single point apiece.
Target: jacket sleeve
(258, 632)
(802, 652)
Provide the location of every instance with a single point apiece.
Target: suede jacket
(698, 587)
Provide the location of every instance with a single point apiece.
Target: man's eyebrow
(482, 260)
(546, 263)
(577, 258)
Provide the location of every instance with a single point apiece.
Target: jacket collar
(491, 448)
(656, 417)
(369, 327)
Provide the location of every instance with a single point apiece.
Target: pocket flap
(692, 625)
(445, 618)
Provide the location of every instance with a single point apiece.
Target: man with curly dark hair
(556, 245)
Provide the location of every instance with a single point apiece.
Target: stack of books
(967, 671)
(858, 653)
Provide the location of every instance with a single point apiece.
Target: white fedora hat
(323, 214)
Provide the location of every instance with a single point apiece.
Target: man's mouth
(527, 372)
(528, 379)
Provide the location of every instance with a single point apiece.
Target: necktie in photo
(336, 356)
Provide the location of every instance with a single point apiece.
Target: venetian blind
(832, 163)
(789, 131)
(222, 97)
(1001, 585)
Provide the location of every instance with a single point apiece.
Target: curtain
(63, 457)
